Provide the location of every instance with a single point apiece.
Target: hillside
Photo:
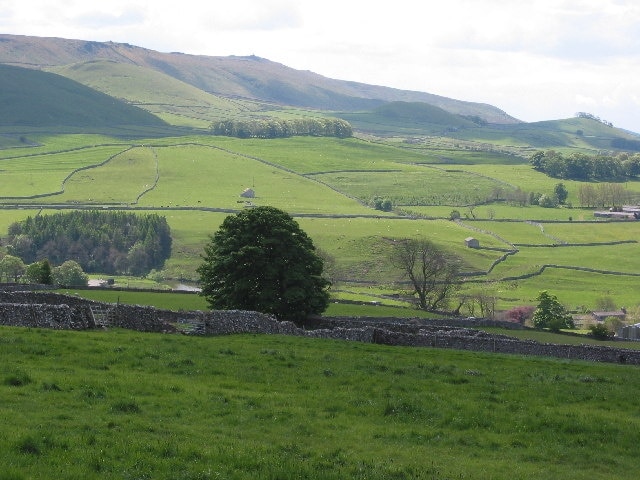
(34, 98)
(248, 77)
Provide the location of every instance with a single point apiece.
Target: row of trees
(105, 242)
(69, 274)
(603, 194)
(282, 128)
(580, 166)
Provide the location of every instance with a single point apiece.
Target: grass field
(187, 178)
(121, 404)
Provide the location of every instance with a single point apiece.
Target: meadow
(326, 184)
(121, 404)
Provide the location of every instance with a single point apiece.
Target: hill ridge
(244, 76)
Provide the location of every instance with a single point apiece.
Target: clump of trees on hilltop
(105, 242)
(281, 128)
(580, 166)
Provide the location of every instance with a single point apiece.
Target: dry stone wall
(50, 310)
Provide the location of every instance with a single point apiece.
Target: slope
(408, 118)
(173, 100)
(34, 98)
(249, 77)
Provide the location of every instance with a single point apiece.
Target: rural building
(624, 213)
(248, 193)
(471, 242)
(602, 316)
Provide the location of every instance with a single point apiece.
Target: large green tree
(260, 259)
(70, 274)
(550, 313)
(11, 268)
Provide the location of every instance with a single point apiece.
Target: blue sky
(535, 59)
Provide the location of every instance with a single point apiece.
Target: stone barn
(248, 193)
(471, 242)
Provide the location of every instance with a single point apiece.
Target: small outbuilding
(629, 332)
(471, 242)
(248, 193)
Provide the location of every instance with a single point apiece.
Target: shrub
(600, 331)
(520, 314)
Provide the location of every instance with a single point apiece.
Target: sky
(534, 59)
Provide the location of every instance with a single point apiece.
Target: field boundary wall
(69, 312)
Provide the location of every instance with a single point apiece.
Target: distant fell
(246, 77)
(35, 98)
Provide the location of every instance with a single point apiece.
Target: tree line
(580, 166)
(106, 242)
(283, 128)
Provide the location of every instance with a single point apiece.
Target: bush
(520, 314)
(600, 331)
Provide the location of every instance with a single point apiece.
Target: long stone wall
(50, 310)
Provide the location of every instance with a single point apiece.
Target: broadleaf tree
(550, 313)
(432, 272)
(261, 260)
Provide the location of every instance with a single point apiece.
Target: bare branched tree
(432, 272)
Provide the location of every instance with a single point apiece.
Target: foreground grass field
(121, 404)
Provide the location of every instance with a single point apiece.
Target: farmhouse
(602, 316)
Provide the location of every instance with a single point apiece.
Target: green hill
(247, 77)
(409, 118)
(163, 95)
(35, 98)
(570, 133)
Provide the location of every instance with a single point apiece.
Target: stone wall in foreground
(50, 310)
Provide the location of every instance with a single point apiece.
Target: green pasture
(311, 155)
(45, 142)
(603, 231)
(197, 176)
(575, 289)
(419, 185)
(163, 300)
(559, 135)
(41, 174)
(502, 211)
(513, 232)
(121, 404)
(529, 180)
(121, 180)
(602, 258)
(362, 246)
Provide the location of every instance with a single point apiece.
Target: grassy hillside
(326, 184)
(248, 77)
(408, 118)
(122, 404)
(177, 102)
(35, 98)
